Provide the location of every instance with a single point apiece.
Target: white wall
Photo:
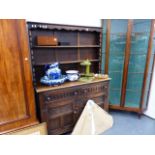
(73, 21)
(151, 108)
(96, 22)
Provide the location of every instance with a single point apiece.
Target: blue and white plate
(51, 82)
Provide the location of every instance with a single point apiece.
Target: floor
(126, 123)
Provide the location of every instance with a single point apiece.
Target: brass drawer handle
(85, 91)
(75, 112)
(75, 93)
(48, 98)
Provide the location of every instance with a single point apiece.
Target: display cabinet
(61, 106)
(128, 57)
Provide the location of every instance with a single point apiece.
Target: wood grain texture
(43, 88)
(17, 105)
(126, 62)
(76, 43)
(107, 46)
(62, 107)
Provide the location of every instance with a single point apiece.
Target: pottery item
(53, 75)
(72, 75)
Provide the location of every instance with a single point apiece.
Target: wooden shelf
(43, 88)
(65, 62)
(61, 47)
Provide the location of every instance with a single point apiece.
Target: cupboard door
(138, 55)
(56, 109)
(17, 108)
(60, 118)
(115, 54)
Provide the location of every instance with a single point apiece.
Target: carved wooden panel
(62, 108)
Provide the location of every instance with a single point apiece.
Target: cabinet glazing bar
(126, 62)
(107, 46)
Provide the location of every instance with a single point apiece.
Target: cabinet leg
(139, 114)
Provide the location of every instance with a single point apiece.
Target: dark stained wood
(126, 62)
(47, 41)
(78, 46)
(17, 104)
(75, 45)
(65, 62)
(149, 52)
(61, 107)
(107, 46)
(100, 52)
(48, 26)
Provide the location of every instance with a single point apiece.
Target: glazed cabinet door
(17, 105)
(138, 58)
(128, 57)
(113, 55)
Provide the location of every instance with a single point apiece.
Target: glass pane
(116, 82)
(104, 25)
(146, 96)
(135, 82)
(153, 48)
(103, 63)
(132, 99)
(116, 58)
(142, 25)
(116, 62)
(119, 25)
(117, 43)
(151, 63)
(103, 42)
(114, 97)
(148, 81)
(137, 63)
(139, 43)
(139, 47)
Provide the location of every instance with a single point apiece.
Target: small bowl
(72, 75)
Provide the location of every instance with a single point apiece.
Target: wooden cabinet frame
(121, 106)
(61, 106)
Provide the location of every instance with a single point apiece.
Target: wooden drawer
(86, 90)
(59, 95)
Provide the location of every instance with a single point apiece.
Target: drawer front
(58, 96)
(69, 93)
(59, 117)
(92, 90)
(60, 125)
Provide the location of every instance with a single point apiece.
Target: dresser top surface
(43, 88)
